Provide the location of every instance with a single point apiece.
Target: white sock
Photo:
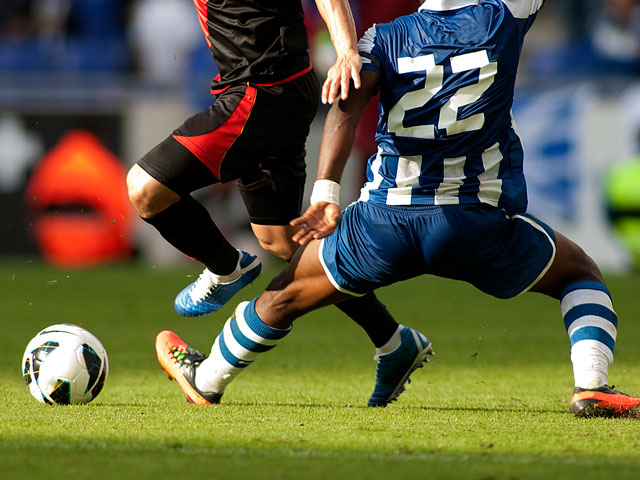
(590, 364)
(392, 343)
(230, 277)
(592, 327)
(243, 337)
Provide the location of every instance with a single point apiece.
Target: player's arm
(323, 215)
(339, 19)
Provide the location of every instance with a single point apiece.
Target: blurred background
(88, 86)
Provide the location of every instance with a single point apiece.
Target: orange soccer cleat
(180, 361)
(603, 402)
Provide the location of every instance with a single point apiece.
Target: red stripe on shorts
(211, 148)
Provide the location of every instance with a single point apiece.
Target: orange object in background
(78, 201)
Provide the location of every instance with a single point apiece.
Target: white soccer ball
(65, 364)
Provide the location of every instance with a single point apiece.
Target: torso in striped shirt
(446, 134)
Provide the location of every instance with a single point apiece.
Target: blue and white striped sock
(243, 337)
(591, 323)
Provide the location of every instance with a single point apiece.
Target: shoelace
(202, 287)
(177, 354)
(187, 357)
(612, 389)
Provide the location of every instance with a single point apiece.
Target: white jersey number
(467, 95)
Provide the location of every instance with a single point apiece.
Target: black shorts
(253, 134)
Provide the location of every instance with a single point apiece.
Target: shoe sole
(421, 357)
(596, 404)
(165, 340)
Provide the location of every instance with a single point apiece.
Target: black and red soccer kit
(266, 96)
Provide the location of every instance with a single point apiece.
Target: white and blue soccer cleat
(393, 369)
(205, 295)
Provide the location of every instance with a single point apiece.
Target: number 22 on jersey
(434, 75)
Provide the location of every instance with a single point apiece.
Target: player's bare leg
(591, 324)
(367, 311)
(302, 287)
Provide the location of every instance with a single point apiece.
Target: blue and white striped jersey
(447, 76)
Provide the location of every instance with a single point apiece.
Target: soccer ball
(65, 364)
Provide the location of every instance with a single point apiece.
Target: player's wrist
(325, 190)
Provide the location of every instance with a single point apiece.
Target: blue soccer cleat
(205, 296)
(394, 368)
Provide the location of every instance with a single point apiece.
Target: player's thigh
(373, 246)
(176, 163)
(276, 128)
(236, 137)
(224, 142)
(273, 197)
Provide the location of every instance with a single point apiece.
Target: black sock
(371, 314)
(188, 226)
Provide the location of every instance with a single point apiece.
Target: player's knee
(590, 269)
(571, 265)
(582, 266)
(139, 194)
(146, 194)
(280, 247)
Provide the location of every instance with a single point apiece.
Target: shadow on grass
(492, 409)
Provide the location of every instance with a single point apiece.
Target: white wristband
(325, 191)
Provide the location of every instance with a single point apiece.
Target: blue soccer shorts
(376, 245)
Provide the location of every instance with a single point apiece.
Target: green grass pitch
(492, 404)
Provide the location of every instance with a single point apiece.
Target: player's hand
(319, 221)
(346, 69)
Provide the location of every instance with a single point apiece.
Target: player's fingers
(334, 87)
(297, 221)
(304, 238)
(299, 237)
(344, 86)
(302, 225)
(322, 233)
(355, 76)
(325, 90)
